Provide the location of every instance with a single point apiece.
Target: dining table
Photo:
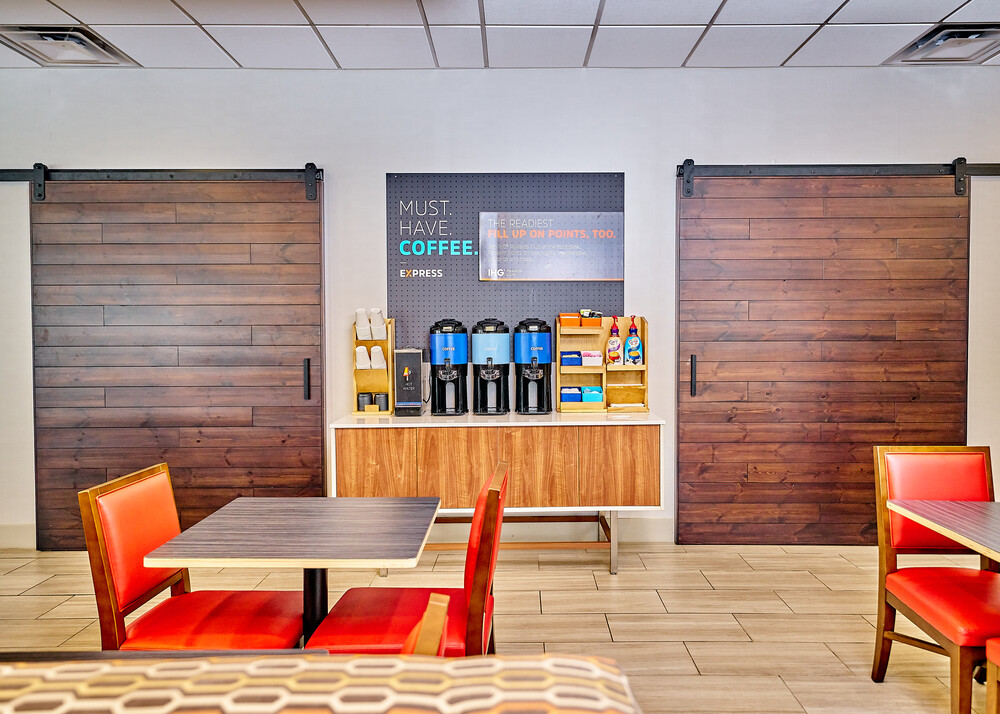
(974, 524)
(312, 533)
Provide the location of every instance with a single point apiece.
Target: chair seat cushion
(378, 620)
(961, 603)
(219, 620)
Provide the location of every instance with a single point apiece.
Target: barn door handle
(694, 375)
(306, 386)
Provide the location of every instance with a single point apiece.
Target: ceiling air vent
(63, 46)
(951, 44)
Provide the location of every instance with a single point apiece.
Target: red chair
(427, 636)
(958, 608)
(128, 517)
(377, 620)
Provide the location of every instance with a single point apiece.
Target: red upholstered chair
(378, 620)
(958, 608)
(128, 517)
(427, 636)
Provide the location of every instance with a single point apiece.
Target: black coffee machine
(449, 368)
(533, 366)
(490, 367)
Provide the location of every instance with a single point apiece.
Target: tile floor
(696, 628)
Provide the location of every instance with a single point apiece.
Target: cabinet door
(454, 463)
(544, 465)
(376, 462)
(620, 465)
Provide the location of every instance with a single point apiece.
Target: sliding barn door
(171, 323)
(820, 316)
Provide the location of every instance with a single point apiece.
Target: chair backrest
(481, 557)
(123, 520)
(427, 636)
(939, 473)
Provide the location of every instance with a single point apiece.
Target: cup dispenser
(490, 367)
(533, 366)
(449, 368)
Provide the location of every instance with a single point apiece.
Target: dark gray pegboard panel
(417, 301)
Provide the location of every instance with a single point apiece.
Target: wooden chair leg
(491, 647)
(962, 662)
(886, 622)
(992, 688)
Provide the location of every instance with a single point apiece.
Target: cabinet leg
(383, 572)
(613, 523)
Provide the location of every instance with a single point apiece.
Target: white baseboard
(17, 535)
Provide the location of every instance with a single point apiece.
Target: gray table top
(974, 524)
(306, 532)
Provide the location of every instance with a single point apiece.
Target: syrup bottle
(615, 353)
(633, 345)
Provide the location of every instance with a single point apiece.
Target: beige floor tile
(676, 628)
(419, 579)
(52, 566)
(75, 607)
(762, 579)
(807, 628)
(520, 648)
(634, 658)
(657, 693)
(737, 549)
(221, 581)
(38, 634)
(657, 579)
(555, 628)
(89, 638)
(846, 551)
(763, 658)
(644, 548)
(514, 602)
(9, 564)
(14, 584)
(595, 559)
(914, 695)
(694, 561)
(571, 579)
(841, 581)
(28, 608)
(63, 585)
(735, 600)
(813, 562)
(507, 560)
(904, 661)
(831, 602)
(634, 601)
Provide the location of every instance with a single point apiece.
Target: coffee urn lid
(490, 325)
(448, 326)
(532, 324)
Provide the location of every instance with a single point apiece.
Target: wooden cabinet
(453, 463)
(619, 465)
(544, 466)
(557, 466)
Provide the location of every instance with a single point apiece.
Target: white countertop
(467, 420)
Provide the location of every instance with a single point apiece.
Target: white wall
(984, 327)
(360, 125)
(17, 437)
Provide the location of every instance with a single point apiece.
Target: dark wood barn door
(171, 321)
(824, 315)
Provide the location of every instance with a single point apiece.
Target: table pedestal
(314, 600)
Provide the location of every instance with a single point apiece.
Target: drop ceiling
(445, 34)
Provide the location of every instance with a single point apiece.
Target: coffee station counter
(474, 420)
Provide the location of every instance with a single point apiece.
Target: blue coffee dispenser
(449, 368)
(490, 367)
(533, 366)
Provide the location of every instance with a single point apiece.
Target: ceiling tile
(116, 12)
(165, 45)
(855, 45)
(657, 12)
(458, 46)
(381, 47)
(643, 46)
(749, 45)
(537, 46)
(363, 12)
(532, 12)
(244, 12)
(32, 12)
(978, 11)
(896, 12)
(777, 12)
(262, 47)
(452, 12)
(10, 58)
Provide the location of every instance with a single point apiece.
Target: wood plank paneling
(838, 320)
(158, 339)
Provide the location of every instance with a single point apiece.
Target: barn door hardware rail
(959, 168)
(39, 174)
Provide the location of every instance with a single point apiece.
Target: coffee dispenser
(490, 367)
(533, 366)
(449, 368)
